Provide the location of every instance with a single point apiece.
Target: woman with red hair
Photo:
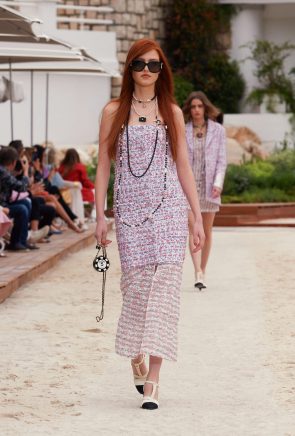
(144, 132)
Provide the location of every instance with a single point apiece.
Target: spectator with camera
(20, 208)
(42, 214)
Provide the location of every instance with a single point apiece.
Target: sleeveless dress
(151, 253)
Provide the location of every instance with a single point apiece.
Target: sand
(236, 368)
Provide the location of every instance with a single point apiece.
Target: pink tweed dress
(151, 253)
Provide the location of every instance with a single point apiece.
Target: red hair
(164, 90)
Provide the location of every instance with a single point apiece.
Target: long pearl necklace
(117, 198)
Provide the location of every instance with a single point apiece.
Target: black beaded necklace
(150, 216)
(128, 155)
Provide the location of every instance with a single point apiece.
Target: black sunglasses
(153, 66)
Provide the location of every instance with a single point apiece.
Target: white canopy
(22, 48)
(21, 43)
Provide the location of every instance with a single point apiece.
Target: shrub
(271, 180)
(224, 85)
(270, 72)
(91, 171)
(260, 196)
(182, 88)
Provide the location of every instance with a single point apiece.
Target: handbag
(101, 263)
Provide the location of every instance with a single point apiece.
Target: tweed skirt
(148, 322)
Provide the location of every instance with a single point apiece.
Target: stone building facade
(132, 20)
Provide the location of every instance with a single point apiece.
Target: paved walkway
(236, 368)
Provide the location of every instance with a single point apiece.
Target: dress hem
(149, 352)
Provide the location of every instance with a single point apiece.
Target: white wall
(274, 22)
(269, 127)
(279, 27)
(246, 27)
(75, 103)
(75, 100)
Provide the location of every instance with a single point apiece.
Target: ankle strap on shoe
(155, 386)
(137, 366)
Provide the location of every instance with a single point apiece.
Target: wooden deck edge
(251, 224)
(37, 270)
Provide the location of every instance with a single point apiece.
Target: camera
(18, 166)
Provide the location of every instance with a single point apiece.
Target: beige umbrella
(19, 44)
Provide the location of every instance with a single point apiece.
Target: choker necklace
(143, 101)
(143, 118)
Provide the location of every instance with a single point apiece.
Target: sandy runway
(236, 368)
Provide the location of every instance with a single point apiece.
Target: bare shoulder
(177, 113)
(110, 109)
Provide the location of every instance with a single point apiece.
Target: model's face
(146, 77)
(197, 109)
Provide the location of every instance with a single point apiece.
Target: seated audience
(72, 169)
(20, 209)
(51, 194)
(70, 191)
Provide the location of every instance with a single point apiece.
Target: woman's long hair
(211, 111)
(69, 161)
(164, 90)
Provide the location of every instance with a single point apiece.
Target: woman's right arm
(103, 173)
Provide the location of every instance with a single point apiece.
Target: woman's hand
(101, 232)
(36, 188)
(216, 192)
(25, 165)
(198, 235)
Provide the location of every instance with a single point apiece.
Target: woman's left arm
(187, 180)
(220, 164)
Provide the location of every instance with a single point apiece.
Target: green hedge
(182, 89)
(91, 171)
(271, 180)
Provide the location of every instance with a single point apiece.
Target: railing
(82, 10)
(79, 10)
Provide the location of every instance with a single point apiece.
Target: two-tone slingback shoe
(139, 378)
(149, 402)
(199, 283)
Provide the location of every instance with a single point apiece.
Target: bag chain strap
(104, 275)
(100, 317)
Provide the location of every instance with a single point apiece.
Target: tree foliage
(270, 72)
(195, 52)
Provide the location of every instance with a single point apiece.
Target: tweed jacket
(215, 156)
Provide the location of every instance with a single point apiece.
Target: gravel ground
(236, 368)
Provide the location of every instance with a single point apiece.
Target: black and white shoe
(149, 402)
(139, 378)
(200, 283)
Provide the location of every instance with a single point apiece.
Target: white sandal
(139, 378)
(149, 402)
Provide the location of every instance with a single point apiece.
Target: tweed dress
(152, 253)
(199, 170)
